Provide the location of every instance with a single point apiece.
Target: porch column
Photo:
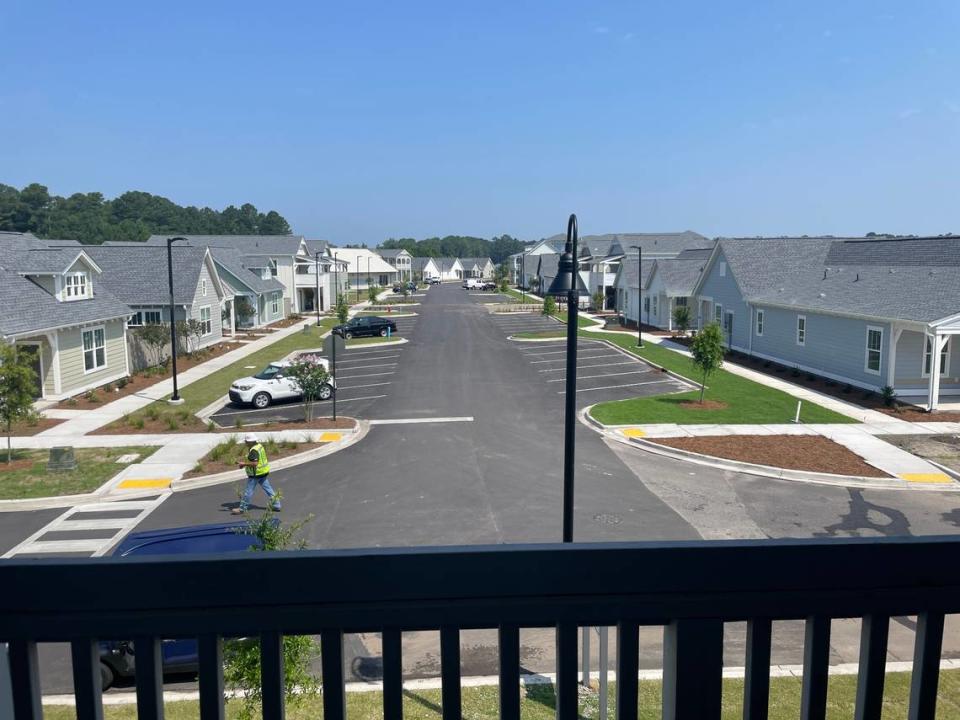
(54, 340)
(233, 316)
(933, 388)
(892, 355)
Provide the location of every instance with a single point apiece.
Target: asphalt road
(497, 479)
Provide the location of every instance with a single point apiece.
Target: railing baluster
(331, 661)
(450, 672)
(509, 672)
(873, 666)
(567, 694)
(271, 675)
(628, 667)
(816, 665)
(149, 678)
(756, 687)
(926, 666)
(392, 675)
(86, 679)
(25, 680)
(211, 677)
(692, 669)
(604, 667)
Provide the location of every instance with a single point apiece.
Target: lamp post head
(172, 240)
(565, 279)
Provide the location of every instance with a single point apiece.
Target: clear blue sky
(361, 121)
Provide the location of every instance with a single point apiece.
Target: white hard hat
(250, 437)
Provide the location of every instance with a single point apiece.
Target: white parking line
(367, 359)
(350, 377)
(367, 351)
(594, 377)
(368, 397)
(354, 387)
(358, 367)
(584, 357)
(614, 387)
(552, 352)
(584, 367)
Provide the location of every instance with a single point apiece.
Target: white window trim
(66, 286)
(758, 330)
(208, 320)
(944, 366)
(203, 287)
(718, 310)
(131, 323)
(802, 342)
(275, 304)
(723, 269)
(83, 351)
(867, 351)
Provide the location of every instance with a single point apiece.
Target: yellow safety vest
(263, 467)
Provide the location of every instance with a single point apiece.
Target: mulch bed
(612, 323)
(326, 423)
(14, 465)
(26, 429)
(140, 381)
(812, 453)
(206, 466)
(193, 424)
(293, 320)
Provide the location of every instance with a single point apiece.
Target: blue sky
(361, 121)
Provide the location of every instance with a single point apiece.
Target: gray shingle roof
(903, 279)
(612, 244)
(628, 271)
(389, 252)
(136, 275)
(236, 265)
(548, 270)
(680, 274)
(419, 263)
(269, 244)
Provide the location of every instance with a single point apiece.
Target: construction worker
(258, 473)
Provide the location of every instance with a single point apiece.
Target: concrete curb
(811, 478)
(355, 436)
(399, 315)
(364, 346)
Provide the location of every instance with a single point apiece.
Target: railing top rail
(480, 586)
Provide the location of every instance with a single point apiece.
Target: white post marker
(796, 418)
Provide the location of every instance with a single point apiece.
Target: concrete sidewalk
(859, 439)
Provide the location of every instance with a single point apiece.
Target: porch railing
(690, 588)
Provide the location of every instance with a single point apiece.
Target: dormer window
(75, 286)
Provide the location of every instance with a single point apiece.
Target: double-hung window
(759, 323)
(928, 357)
(151, 317)
(75, 286)
(718, 313)
(136, 320)
(94, 350)
(801, 330)
(275, 304)
(874, 345)
(203, 287)
(205, 322)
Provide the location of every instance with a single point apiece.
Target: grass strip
(742, 401)
(538, 702)
(27, 476)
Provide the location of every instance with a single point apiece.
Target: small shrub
(122, 383)
(847, 389)
(138, 423)
(811, 377)
(830, 383)
(152, 411)
(889, 395)
(766, 364)
(795, 372)
(211, 426)
(108, 388)
(172, 423)
(224, 450)
(71, 402)
(91, 396)
(198, 467)
(238, 424)
(183, 414)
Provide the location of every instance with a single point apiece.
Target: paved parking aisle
(522, 322)
(604, 372)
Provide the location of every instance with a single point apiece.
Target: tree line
(134, 215)
(497, 248)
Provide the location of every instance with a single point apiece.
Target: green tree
(549, 305)
(343, 310)
(598, 300)
(372, 292)
(681, 318)
(707, 351)
(241, 658)
(154, 337)
(18, 386)
(311, 376)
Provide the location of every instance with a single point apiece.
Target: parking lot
(365, 374)
(604, 372)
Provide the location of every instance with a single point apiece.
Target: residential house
(257, 295)
(541, 271)
(424, 268)
(135, 274)
(867, 312)
(479, 267)
(668, 283)
(450, 268)
(279, 255)
(364, 268)
(514, 265)
(317, 276)
(399, 259)
(56, 308)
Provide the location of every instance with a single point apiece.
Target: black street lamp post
(316, 298)
(639, 290)
(175, 399)
(566, 283)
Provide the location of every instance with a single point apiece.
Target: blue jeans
(264, 482)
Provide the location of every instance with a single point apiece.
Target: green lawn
(201, 393)
(28, 476)
(538, 702)
(521, 297)
(746, 401)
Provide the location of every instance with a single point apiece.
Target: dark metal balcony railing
(690, 588)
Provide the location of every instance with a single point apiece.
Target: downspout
(750, 333)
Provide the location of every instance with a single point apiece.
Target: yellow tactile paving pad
(634, 432)
(142, 483)
(926, 477)
(330, 437)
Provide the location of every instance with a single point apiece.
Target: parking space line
(350, 377)
(552, 352)
(593, 377)
(358, 367)
(368, 397)
(354, 387)
(584, 367)
(368, 359)
(587, 357)
(616, 387)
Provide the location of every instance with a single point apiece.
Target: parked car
(472, 283)
(272, 384)
(179, 655)
(366, 327)
(488, 285)
(411, 286)
(433, 281)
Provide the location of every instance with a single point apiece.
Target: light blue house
(868, 312)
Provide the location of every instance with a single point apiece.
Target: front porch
(922, 367)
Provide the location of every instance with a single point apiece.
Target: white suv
(270, 384)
